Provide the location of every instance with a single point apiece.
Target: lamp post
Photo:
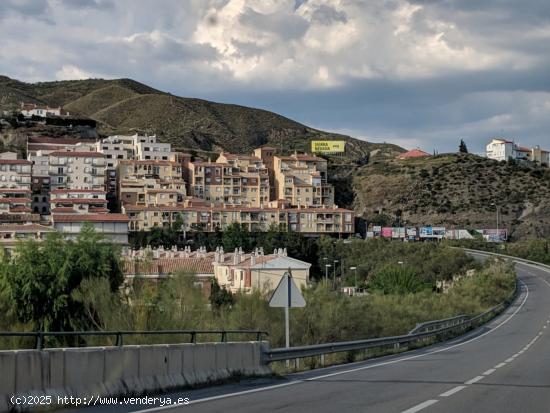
(354, 269)
(498, 211)
(327, 266)
(334, 274)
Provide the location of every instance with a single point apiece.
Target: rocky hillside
(125, 106)
(456, 190)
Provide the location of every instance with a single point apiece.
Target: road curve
(503, 366)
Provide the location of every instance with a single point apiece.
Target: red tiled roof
(58, 141)
(21, 208)
(78, 201)
(74, 154)
(25, 228)
(14, 191)
(15, 161)
(166, 266)
(91, 218)
(523, 149)
(99, 209)
(148, 161)
(415, 153)
(84, 191)
(63, 210)
(15, 200)
(181, 207)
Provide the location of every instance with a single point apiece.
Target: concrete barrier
(119, 371)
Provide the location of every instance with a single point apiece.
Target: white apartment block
(502, 150)
(14, 173)
(77, 170)
(31, 109)
(147, 148)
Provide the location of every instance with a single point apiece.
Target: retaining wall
(128, 370)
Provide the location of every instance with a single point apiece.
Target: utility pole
(354, 269)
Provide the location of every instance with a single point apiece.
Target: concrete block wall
(128, 370)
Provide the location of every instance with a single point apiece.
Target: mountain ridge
(122, 106)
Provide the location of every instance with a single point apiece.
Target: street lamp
(354, 269)
(327, 266)
(498, 210)
(334, 274)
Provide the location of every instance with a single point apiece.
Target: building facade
(77, 170)
(301, 179)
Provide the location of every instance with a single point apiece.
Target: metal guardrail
(436, 329)
(438, 324)
(39, 336)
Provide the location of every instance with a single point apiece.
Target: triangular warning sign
(287, 294)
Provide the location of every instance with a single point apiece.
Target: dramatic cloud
(417, 73)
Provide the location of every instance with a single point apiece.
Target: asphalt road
(502, 367)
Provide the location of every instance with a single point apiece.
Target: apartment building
(15, 202)
(247, 176)
(231, 180)
(301, 179)
(150, 182)
(114, 227)
(502, 150)
(14, 173)
(12, 234)
(77, 170)
(147, 148)
(196, 217)
(46, 145)
(82, 201)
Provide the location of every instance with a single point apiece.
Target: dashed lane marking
(474, 380)
(452, 391)
(420, 406)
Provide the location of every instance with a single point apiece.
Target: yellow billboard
(328, 146)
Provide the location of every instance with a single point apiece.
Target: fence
(40, 336)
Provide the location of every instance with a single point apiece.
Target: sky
(417, 73)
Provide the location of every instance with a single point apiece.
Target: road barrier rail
(40, 336)
(423, 332)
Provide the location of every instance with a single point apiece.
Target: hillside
(124, 106)
(456, 190)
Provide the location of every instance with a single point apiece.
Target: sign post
(287, 295)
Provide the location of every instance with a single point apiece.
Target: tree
(219, 297)
(462, 148)
(41, 277)
(235, 236)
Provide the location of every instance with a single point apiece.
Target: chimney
(222, 255)
(253, 259)
(236, 257)
(284, 252)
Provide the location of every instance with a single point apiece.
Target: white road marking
(452, 391)
(420, 406)
(474, 380)
(490, 371)
(510, 359)
(300, 381)
(499, 365)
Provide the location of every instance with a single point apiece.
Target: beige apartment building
(301, 179)
(77, 170)
(196, 217)
(231, 180)
(150, 182)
